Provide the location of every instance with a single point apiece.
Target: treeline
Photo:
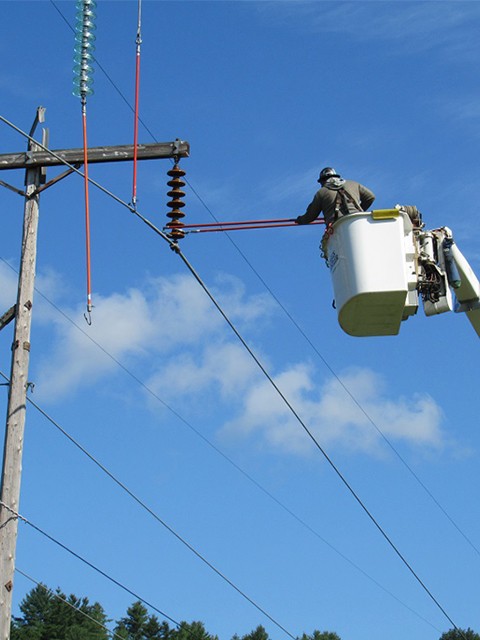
(48, 615)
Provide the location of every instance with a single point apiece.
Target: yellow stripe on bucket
(384, 214)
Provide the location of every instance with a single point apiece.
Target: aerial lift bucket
(371, 257)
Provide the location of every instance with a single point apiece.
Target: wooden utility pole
(17, 398)
(35, 160)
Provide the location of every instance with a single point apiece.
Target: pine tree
(321, 635)
(138, 625)
(258, 634)
(192, 631)
(53, 616)
(460, 634)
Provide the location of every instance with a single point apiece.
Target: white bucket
(371, 257)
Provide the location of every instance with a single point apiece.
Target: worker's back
(343, 196)
(336, 197)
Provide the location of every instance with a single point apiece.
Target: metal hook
(88, 317)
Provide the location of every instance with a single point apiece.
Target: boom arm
(468, 293)
(444, 270)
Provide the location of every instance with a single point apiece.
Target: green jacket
(329, 200)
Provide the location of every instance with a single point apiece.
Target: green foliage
(132, 627)
(460, 634)
(321, 635)
(53, 616)
(138, 625)
(258, 634)
(49, 616)
(192, 631)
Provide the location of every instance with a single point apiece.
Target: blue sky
(158, 388)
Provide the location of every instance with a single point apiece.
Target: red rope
(87, 208)
(246, 224)
(135, 131)
(241, 222)
(137, 94)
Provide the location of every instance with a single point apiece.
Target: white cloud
(190, 356)
(168, 316)
(332, 416)
(409, 27)
(222, 368)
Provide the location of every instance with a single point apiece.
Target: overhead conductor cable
(82, 87)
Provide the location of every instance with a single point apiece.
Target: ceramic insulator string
(176, 203)
(84, 48)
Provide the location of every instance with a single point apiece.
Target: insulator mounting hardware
(176, 203)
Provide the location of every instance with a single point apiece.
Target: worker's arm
(314, 209)
(367, 197)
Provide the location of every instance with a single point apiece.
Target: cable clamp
(11, 519)
(15, 515)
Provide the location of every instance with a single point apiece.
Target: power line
(114, 635)
(280, 393)
(297, 326)
(175, 246)
(89, 564)
(216, 449)
(358, 404)
(144, 506)
(340, 381)
(109, 577)
(316, 443)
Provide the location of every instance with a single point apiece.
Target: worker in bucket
(336, 197)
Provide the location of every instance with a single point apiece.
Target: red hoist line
(179, 230)
(138, 43)
(244, 224)
(87, 213)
